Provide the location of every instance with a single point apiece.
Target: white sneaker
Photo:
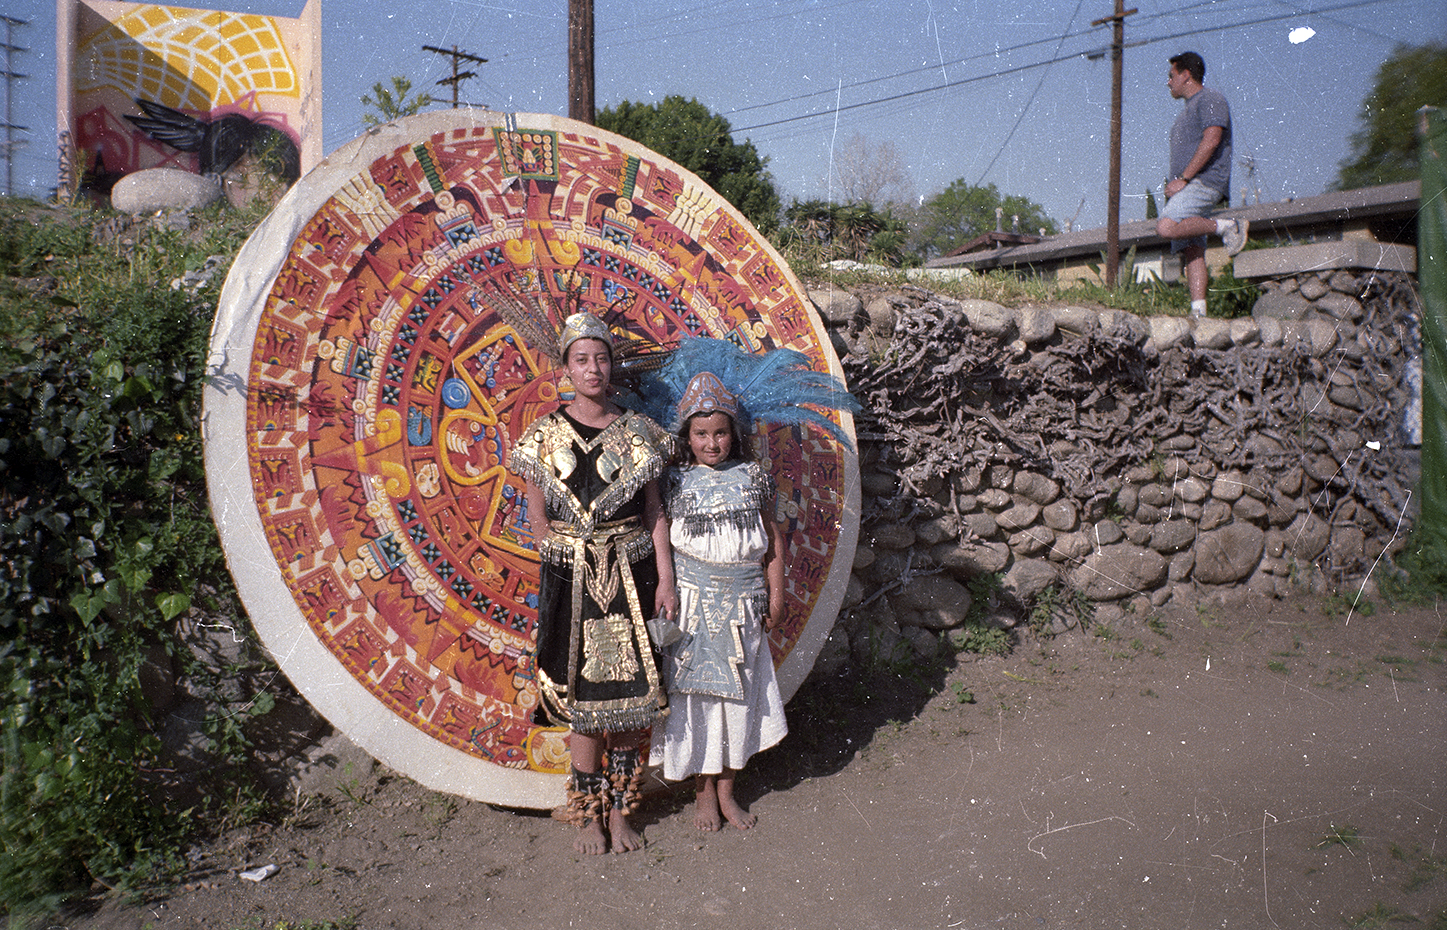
(1234, 238)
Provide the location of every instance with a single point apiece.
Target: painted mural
(146, 86)
(379, 542)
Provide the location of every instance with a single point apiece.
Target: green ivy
(105, 540)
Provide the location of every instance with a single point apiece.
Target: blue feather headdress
(776, 387)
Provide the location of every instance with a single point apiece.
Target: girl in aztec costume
(593, 500)
(724, 702)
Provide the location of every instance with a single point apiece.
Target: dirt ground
(1280, 764)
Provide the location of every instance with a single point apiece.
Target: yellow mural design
(190, 59)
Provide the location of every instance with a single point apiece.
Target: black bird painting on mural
(220, 143)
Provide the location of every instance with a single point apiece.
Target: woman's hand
(665, 602)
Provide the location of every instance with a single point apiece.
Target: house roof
(995, 239)
(1362, 203)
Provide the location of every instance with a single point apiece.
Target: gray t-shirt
(1206, 108)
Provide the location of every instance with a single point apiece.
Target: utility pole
(11, 76)
(580, 61)
(1112, 221)
(457, 76)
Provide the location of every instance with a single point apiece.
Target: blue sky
(962, 89)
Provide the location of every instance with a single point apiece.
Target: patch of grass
(1426, 868)
(1380, 915)
(1339, 677)
(1158, 626)
(1210, 616)
(1421, 577)
(438, 810)
(343, 923)
(1278, 667)
(1336, 606)
(1345, 835)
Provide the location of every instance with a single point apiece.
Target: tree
(685, 132)
(873, 173)
(855, 231)
(963, 211)
(1384, 147)
(393, 104)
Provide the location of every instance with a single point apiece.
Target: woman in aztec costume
(597, 520)
(728, 560)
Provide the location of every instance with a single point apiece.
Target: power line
(1033, 94)
(1040, 64)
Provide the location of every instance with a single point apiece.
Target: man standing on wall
(1200, 175)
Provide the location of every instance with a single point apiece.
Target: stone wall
(1071, 456)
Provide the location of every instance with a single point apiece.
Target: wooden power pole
(457, 76)
(580, 61)
(1112, 220)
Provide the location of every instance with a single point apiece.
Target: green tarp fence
(1432, 276)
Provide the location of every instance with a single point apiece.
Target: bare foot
(625, 838)
(706, 816)
(736, 815)
(591, 841)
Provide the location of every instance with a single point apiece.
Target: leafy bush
(105, 538)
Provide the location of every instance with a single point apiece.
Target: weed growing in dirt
(1426, 867)
(962, 694)
(1379, 916)
(1339, 605)
(1399, 664)
(980, 639)
(344, 923)
(1339, 677)
(1345, 835)
(1422, 568)
(1059, 608)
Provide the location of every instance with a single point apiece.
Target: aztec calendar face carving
(365, 392)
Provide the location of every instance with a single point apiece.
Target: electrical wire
(948, 85)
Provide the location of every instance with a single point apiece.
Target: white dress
(719, 542)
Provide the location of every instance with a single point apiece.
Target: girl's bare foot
(591, 840)
(706, 815)
(730, 809)
(625, 838)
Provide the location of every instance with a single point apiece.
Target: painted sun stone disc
(365, 393)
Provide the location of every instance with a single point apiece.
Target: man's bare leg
(587, 752)
(1188, 228)
(730, 808)
(1193, 258)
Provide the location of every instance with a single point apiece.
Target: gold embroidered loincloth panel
(613, 682)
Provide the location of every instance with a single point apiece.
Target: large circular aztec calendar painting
(364, 394)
